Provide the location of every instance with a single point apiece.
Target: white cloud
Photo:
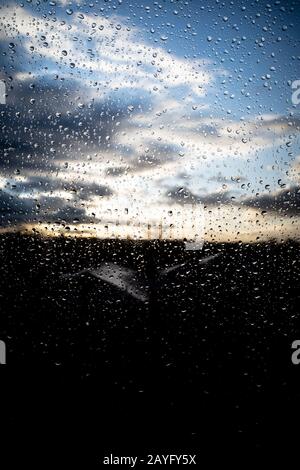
(106, 51)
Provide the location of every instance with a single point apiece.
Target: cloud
(42, 198)
(14, 210)
(90, 48)
(294, 171)
(285, 201)
(182, 195)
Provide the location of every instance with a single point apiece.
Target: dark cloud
(219, 178)
(83, 190)
(155, 157)
(286, 201)
(43, 125)
(147, 162)
(15, 210)
(185, 196)
(182, 196)
(72, 215)
(217, 198)
(54, 121)
(116, 171)
(13, 57)
(284, 122)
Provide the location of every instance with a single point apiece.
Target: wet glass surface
(149, 227)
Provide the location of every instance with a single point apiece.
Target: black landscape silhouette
(201, 360)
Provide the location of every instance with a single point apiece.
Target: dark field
(201, 364)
